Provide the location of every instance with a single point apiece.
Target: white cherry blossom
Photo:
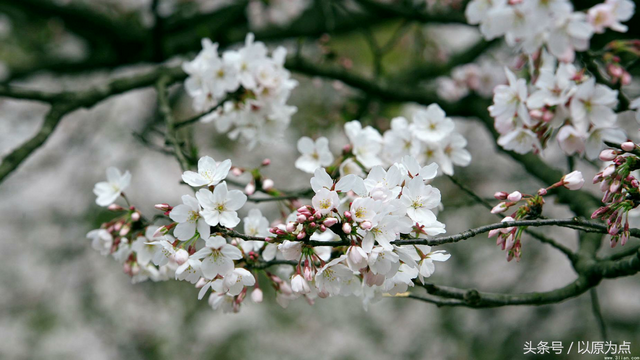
(209, 172)
(220, 206)
(314, 154)
(108, 191)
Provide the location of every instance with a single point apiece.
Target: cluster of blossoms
(530, 209)
(620, 188)
(558, 100)
(358, 219)
(363, 218)
(430, 138)
(563, 102)
(480, 79)
(262, 14)
(246, 88)
(531, 24)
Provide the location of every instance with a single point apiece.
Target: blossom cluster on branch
(620, 187)
(554, 97)
(429, 137)
(359, 218)
(532, 24)
(245, 91)
(531, 208)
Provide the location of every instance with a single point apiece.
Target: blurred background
(59, 299)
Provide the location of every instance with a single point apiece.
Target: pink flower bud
(273, 230)
(301, 218)
(509, 255)
(285, 288)
(318, 215)
(308, 273)
(256, 296)
(181, 256)
(608, 155)
(573, 180)
(494, 232)
(608, 171)
(501, 195)
(291, 226)
(323, 228)
(303, 208)
(347, 214)
(372, 279)
(125, 230)
(135, 216)
(127, 268)
(347, 148)
(542, 192)
(267, 184)
(329, 222)
(515, 196)
(313, 225)
(250, 189)
(502, 207)
(163, 207)
(366, 225)
(135, 269)
(535, 113)
(548, 116)
(162, 230)
(236, 171)
(266, 162)
(201, 283)
(115, 207)
(615, 186)
(615, 70)
(626, 78)
(301, 235)
(346, 227)
(628, 146)
(510, 242)
(600, 211)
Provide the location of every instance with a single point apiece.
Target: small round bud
(346, 227)
(267, 184)
(181, 256)
(628, 146)
(236, 171)
(542, 192)
(502, 207)
(162, 207)
(256, 296)
(501, 195)
(329, 222)
(515, 196)
(608, 154)
(266, 162)
(366, 225)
